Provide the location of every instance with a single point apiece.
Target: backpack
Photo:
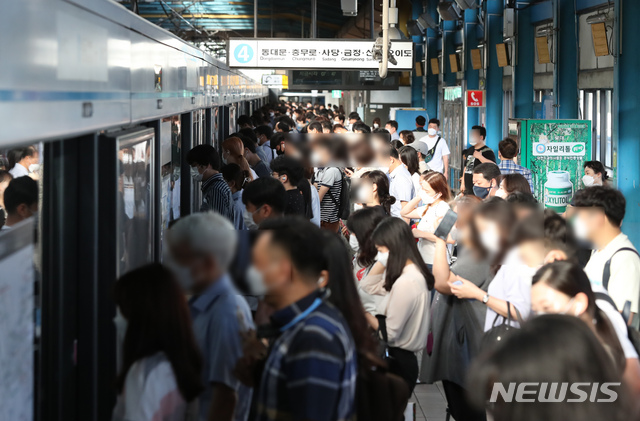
(632, 334)
(380, 395)
(606, 273)
(432, 151)
(344, 207)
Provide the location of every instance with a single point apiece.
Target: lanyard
(302, 315)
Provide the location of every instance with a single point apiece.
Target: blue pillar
(565, 74)
(524, 66)
(448, 47)
(471, 76)
(418, 46)
(626, 113)
(431, 93)
(494, 74)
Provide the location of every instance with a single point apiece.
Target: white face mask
(580, 229)
(365, 194)
(353, 242)
(588, 180)
(432, 132)
(248, 219)
(376, 125)
(490, 239)
(255, 281)
(426, 199)
(473, 141)
(501, 193)
(34, 167)
(195, 174)
(383, 258)
(315, 159)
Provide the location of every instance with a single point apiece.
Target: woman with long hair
(375, 190)
(161, 364)
(409, 158)
(435, 195)
(233, 153)
(404, 279)
(511, 183)
(554, 352)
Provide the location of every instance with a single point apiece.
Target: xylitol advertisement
(555, 151)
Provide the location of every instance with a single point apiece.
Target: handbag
(498, 333)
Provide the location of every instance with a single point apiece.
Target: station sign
(475, 98)
(275, 80)
(313, 54)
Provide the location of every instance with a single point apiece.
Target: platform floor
(431, 403)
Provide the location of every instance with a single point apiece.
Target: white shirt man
(440, 160)
(400, 187)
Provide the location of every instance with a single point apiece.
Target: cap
(420, 146)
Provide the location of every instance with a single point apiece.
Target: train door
(452, 127)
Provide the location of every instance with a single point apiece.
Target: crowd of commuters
(303, 267)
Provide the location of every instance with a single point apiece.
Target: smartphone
(445, 226)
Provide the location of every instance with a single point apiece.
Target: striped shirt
(310, 373)
(507, 166)
(216, 196)
(330, 177)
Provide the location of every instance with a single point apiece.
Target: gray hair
(209, 233)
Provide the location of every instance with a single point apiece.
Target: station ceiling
(211, 23)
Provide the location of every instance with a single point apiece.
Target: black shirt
(261, 169)
(295, 203)
(470, 163)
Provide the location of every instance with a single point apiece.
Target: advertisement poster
(554, 146)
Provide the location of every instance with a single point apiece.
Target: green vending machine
(554, 151)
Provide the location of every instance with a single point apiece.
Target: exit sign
(475, 99)
(336, 94)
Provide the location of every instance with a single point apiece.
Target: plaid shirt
(310, 373)
(507, 166)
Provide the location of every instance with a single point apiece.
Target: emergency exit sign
(475, 99)
(336, 94)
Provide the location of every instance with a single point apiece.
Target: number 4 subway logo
(243, 53)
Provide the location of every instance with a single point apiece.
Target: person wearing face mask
(435, 195)
(290, 173)
(5, 179)
(511, 183)
(233, 152)
(310, 371)
(404, 280)
(410, 158)
(205, 168)
(258, 166)
(236, 179)
(598, 215)
(485, 180)
(508, 154)
(20, 200)
(328, 183)
(450, 355)
(265, 198)
(512, 281)
(400, 182)
(594, 174)
(478, 153)
(201, 249)
(26, 161)
(161, 371)
(361, 224)
(562, 287)
(374, 191)
(263, 134)
(392, 128)
(376, 123)
(437, 155)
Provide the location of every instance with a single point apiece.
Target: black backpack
(632, 334)
(606, 273)
(344, 207)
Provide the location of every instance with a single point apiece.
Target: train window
(171, 155)
(135, 201)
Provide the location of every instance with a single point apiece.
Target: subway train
(112, 102)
